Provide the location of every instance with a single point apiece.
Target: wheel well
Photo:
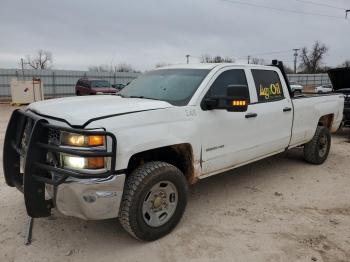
(326, 121)
(180, 155)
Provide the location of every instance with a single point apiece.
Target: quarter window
(268, 85)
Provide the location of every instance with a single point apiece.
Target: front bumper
(46, 185)
(89, 199)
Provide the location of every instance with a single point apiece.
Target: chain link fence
(309, 81)
(58, 83)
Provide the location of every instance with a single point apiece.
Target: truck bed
(307, 113)
(309, 95)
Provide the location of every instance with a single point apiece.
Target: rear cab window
(268, 85)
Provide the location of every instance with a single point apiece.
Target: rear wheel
(78, 93)
(154, 200)
(317, 150)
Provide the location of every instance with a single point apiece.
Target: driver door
(227, 136)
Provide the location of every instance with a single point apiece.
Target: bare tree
(258, 61)
(100, 68)
(311, 61)
(42, 60)
(216, 59)
(206, 58)
(161, 64)
(346, 63)
(124, 67)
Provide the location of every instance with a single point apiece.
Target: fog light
(76, 162)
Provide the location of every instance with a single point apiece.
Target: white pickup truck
(133, 155)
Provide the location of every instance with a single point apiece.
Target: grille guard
(36, 170)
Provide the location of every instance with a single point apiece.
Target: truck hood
(340, 78)
(77, 111)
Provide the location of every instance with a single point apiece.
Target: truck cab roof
(211, 66)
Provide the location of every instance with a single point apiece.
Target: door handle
(287, 109)
(251, 115)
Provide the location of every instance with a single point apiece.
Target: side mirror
(237, 98)
(210, 103)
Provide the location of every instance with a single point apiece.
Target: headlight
(71, 139)
(77, 162)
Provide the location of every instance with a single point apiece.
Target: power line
(281, 9)
(320, 4)
(271, 53)
(265, 54)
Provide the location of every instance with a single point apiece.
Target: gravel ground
(277, 209)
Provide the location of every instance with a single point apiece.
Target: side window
(229, 78)
(268, 85)
(85, 83)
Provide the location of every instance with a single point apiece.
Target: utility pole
(188, 58)
(295, 59)
(22, 63)
(248, 59)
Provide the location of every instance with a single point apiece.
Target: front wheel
(317, 150)
(154, 200)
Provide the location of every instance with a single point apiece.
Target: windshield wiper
(143, 97)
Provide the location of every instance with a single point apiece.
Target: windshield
(175, 86)
(100, 83)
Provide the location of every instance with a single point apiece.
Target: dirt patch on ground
(278, 209)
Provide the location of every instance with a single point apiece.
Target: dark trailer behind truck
(340, 78)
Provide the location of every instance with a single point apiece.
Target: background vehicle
(324, 89)
(340, 78)
(88, 86)
(133, 155)
(295, 87)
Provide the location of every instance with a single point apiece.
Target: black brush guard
(37, 172)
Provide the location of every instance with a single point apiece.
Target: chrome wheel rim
(322, 145)
(159, 204)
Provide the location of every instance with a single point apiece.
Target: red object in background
(88, 86)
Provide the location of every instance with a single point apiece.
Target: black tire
(317, 150)
(137, 187)
(78, 93)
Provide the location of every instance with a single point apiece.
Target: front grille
(34, 140)
(54, 137)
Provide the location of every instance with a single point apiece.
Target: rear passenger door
(274, 110)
